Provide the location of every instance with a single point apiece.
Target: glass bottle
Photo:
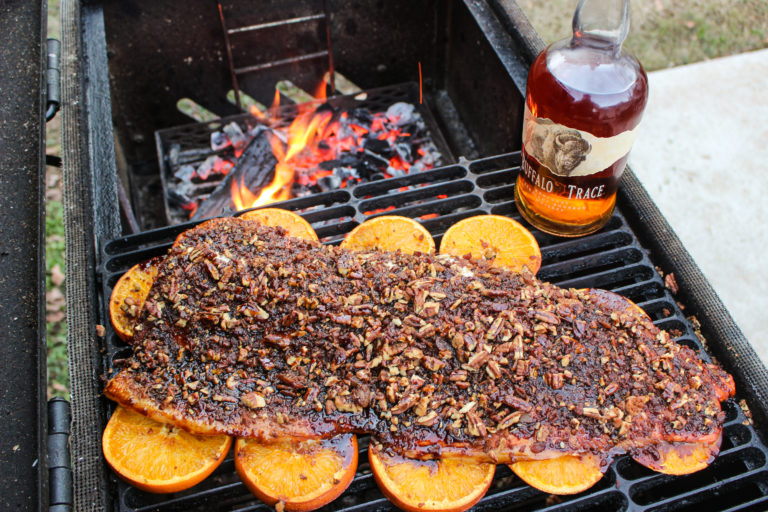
(584, 101)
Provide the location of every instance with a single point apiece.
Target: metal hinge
(59, 459)
(53, 79)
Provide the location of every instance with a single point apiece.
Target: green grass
(56, 327)
(667, 33)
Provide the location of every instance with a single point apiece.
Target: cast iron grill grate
(611, 258)
(190, 145)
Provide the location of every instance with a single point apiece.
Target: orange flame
(305, 132)
(265, 116)
(299, 151)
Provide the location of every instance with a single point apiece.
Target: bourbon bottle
(584, 101)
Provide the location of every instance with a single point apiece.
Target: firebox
(458, 67)
(466, 84)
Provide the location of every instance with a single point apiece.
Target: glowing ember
(336, 149)
(323, 148)
(304, 135)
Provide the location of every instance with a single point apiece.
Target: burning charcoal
(361, 116)
(255, 130)
(347, 173)
(344, 160)
(329, 165)
(235, 135)
(185, 173)
(401, 113)
(207, 167)
(187, 189)
(219, 141)
(331, 182)
(417, 167)
(404, 151)
(190, 156)
(254, 170)
(213, 165)
(412, 130)
(178, 198)
(376, 157)
(358, 147)
(368, 166)
(430, 154)
(173, 154)
(380, 147)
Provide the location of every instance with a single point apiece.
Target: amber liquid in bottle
(586, 96)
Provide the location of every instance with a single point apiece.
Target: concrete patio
(702, 153)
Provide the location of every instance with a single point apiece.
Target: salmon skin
(249, 332)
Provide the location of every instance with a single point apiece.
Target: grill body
(22, 260)
(127, 63)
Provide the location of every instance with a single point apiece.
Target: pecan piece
(278, 339)
(636, 404)
(405, 404)
(475, 426)
(495, 328)
(432, 363)
(509, 420)
(479, 359)
(292, 379)
(554, 379)
(430, 309)
(413, 353)
(546, 316)
(428, 420)
(517, 403)
(253, 400)
(493, 369)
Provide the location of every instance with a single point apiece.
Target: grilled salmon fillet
(249, 332)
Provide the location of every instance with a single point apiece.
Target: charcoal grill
(128, 63)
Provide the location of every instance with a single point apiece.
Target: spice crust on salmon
(252, 333)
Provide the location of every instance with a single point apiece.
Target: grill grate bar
(699, 493)
(753, 506)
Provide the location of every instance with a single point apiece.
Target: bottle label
(568, 152)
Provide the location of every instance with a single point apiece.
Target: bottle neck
(601, 24)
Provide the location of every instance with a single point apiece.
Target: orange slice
(569, 474)
(128, 297)
(447, 485)
(501, 240)
(390, 233)
(157, 457)
(293, 223)
(679, 458)
(301, 475)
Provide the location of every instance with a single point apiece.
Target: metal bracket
(236, 71)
